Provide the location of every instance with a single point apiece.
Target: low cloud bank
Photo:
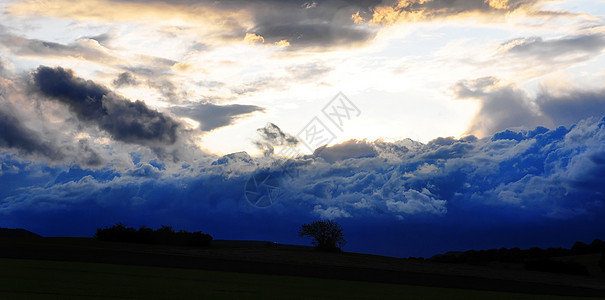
(516, 188)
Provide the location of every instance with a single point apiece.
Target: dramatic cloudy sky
(460, 124)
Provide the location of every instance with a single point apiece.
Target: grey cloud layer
(559, 50)
(505, 107)
(323, 24)
(320, 24)
(568, 107)
(33, 47)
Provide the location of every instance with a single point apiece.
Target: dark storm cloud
(14, 135)
(212, 116)
(271, 136)
(126, 121)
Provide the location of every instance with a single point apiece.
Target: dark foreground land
(82, 267)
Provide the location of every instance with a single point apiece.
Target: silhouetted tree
(327, 235)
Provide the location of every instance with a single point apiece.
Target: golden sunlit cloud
(498, 4)
(81, 135)
(387, 15)
(423, 10)
(282, 43)
(252, 38)
(357, 19)
(183, 67)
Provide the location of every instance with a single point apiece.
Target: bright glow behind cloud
(184, 53)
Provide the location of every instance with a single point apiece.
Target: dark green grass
(38, 279)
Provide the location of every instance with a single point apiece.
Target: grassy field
(39, 279)
(85, 268)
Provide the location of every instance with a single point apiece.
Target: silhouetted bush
(516, 255)
(534, 252)
(512, 255)
(554, 252)
(327, 235)
(164, 235)
(116, 233)
(448, 257)
(602, 262)
(597, 246)
(555, 266)
(580, 248)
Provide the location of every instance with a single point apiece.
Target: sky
(421, 126)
